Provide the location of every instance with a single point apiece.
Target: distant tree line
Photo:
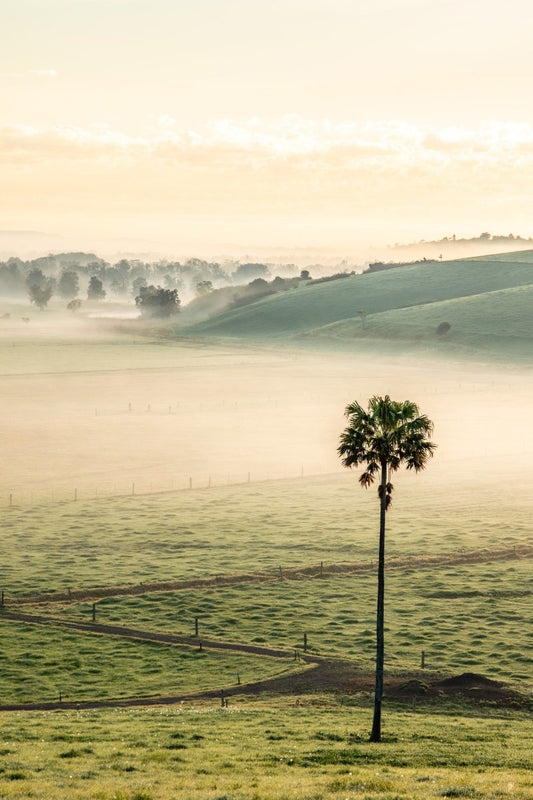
(84, 277)
(157, 288)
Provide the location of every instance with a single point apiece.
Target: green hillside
(494, 322)
(488, 303)
(520, 256)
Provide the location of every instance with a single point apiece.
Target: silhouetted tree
(69, 284)
(153, 301)
(384, 437)
(35, 277)
(137, 285)
(203, 288)
(40, 295)
(95, 290)
(247, 272)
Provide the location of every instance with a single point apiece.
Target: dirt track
(317, 674)
(474, 556)
(145, 636)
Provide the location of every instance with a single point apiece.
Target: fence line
(107, 491)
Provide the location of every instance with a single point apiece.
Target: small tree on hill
(362, 314)
(443, 328)
(153, 301)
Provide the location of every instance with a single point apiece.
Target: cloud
(303, 143)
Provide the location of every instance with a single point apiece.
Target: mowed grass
(287, 749)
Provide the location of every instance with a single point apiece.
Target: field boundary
(321, 571)
(145, 636)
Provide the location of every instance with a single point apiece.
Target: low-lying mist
(90, 409)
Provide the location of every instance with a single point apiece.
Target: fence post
(305, 643)
(94, 612)
(196, 627)
(423, 659)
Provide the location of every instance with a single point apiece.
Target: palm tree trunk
(375, 735)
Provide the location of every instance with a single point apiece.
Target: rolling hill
(488, 302)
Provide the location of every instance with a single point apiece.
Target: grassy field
(105, 430)
(40, 665)
(482, 632)
(464, 616)
(287, 749)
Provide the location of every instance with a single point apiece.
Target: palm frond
(387, 435)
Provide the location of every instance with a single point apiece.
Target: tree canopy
(154, 301)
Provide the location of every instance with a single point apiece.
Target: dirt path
(325, 675)
(313, 674)
(93, 594)
(145, 636)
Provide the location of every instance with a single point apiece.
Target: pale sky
(322, 123)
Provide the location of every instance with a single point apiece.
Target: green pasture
(40, 664)
(492, 322)
(288, 749)
(465, 618)
(306, 308)
(249, 528)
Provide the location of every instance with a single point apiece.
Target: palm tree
(383, 438)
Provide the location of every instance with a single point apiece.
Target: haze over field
(98, 412)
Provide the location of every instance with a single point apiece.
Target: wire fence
(106, 490)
